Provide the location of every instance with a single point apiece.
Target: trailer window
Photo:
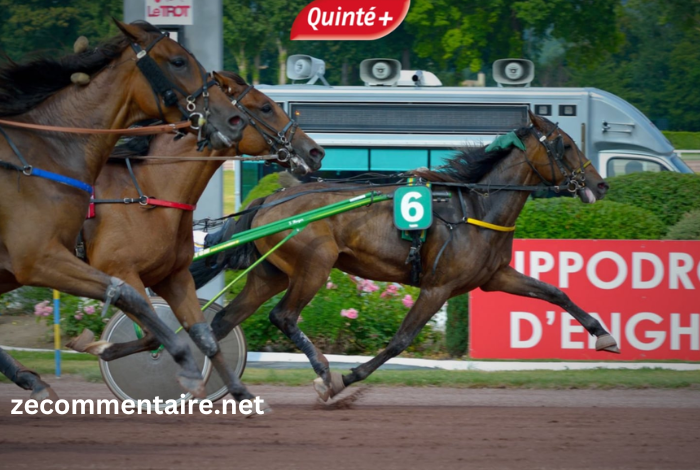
(625, 166)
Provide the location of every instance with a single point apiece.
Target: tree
(33, 25)
(472, 34)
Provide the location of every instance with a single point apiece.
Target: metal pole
(57, 330)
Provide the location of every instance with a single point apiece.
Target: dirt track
(384, 428)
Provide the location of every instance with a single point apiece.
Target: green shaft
(302, 219)
(252, 266)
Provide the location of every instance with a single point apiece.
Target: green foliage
(77, 314)
(568, 218)
(457, 327)
(379, 314)
(474, 34)
(688, 228)
(668, 195)
(32, 25)
(684, 140)
(268, 185)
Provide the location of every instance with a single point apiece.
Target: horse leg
(60, 270)
(179, 291)
(20, 375)
(111, 351)
(25, 378)
(285, 316)
(258, 289)
(427, 304)
(511, 281)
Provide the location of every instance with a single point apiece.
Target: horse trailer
(396, 128)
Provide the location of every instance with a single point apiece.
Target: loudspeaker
(380, 71)
(304, 67)
(513, 71)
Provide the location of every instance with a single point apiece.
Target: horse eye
(178, 62)
(266, 108)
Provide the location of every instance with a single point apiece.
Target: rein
(159, 129)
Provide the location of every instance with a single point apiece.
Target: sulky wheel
(149, 374)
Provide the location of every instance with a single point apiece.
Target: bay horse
(364, 242)
(46, 176)
(159, 239)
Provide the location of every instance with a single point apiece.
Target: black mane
(23, 86)
(470, 164)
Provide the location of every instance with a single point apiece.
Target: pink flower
(391, 289)
(407, 301)
(330, 285)
(350, 313)
(367, 286)
(42, 309)
(78, 316)
(89, 309)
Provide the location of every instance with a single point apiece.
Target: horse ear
(226, 84)
(535, 119)
(130, 30)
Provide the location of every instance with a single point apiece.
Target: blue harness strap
(27, 170)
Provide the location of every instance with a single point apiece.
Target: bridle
(278, 141)
(575, 178)
(164, 88)
(160, 85)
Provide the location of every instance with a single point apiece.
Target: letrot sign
(644, 292)
(169, 12)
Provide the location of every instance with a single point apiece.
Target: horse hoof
(337, 383)
(607, 343)
(97, 348)
(324, 392)
(80, 342)
(44, 392)
(195, 386)
(265, 409)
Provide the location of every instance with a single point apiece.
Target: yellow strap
(481, 223)
(587, 163)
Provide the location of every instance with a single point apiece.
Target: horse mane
(233, 76)
(23, 86)
(469, 165)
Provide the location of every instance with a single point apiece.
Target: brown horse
(364, 242)
(159, 240)
(136, 75)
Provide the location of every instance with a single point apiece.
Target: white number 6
(409, 202)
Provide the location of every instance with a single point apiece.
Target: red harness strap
(148, 201)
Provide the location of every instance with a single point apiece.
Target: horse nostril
(316, 153)
(604, 186)
(235, 121)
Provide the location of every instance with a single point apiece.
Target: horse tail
(239, 257)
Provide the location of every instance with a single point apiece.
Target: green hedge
(379, 315)
(667, 194)
(266, 186)
(688, 228)
(457, 326)
(684, 140)
(571, 219)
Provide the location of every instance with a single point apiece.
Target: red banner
(348, 19)
(645, 293)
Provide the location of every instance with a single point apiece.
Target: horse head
(172, 84)
(557, 160)
(272, 130)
